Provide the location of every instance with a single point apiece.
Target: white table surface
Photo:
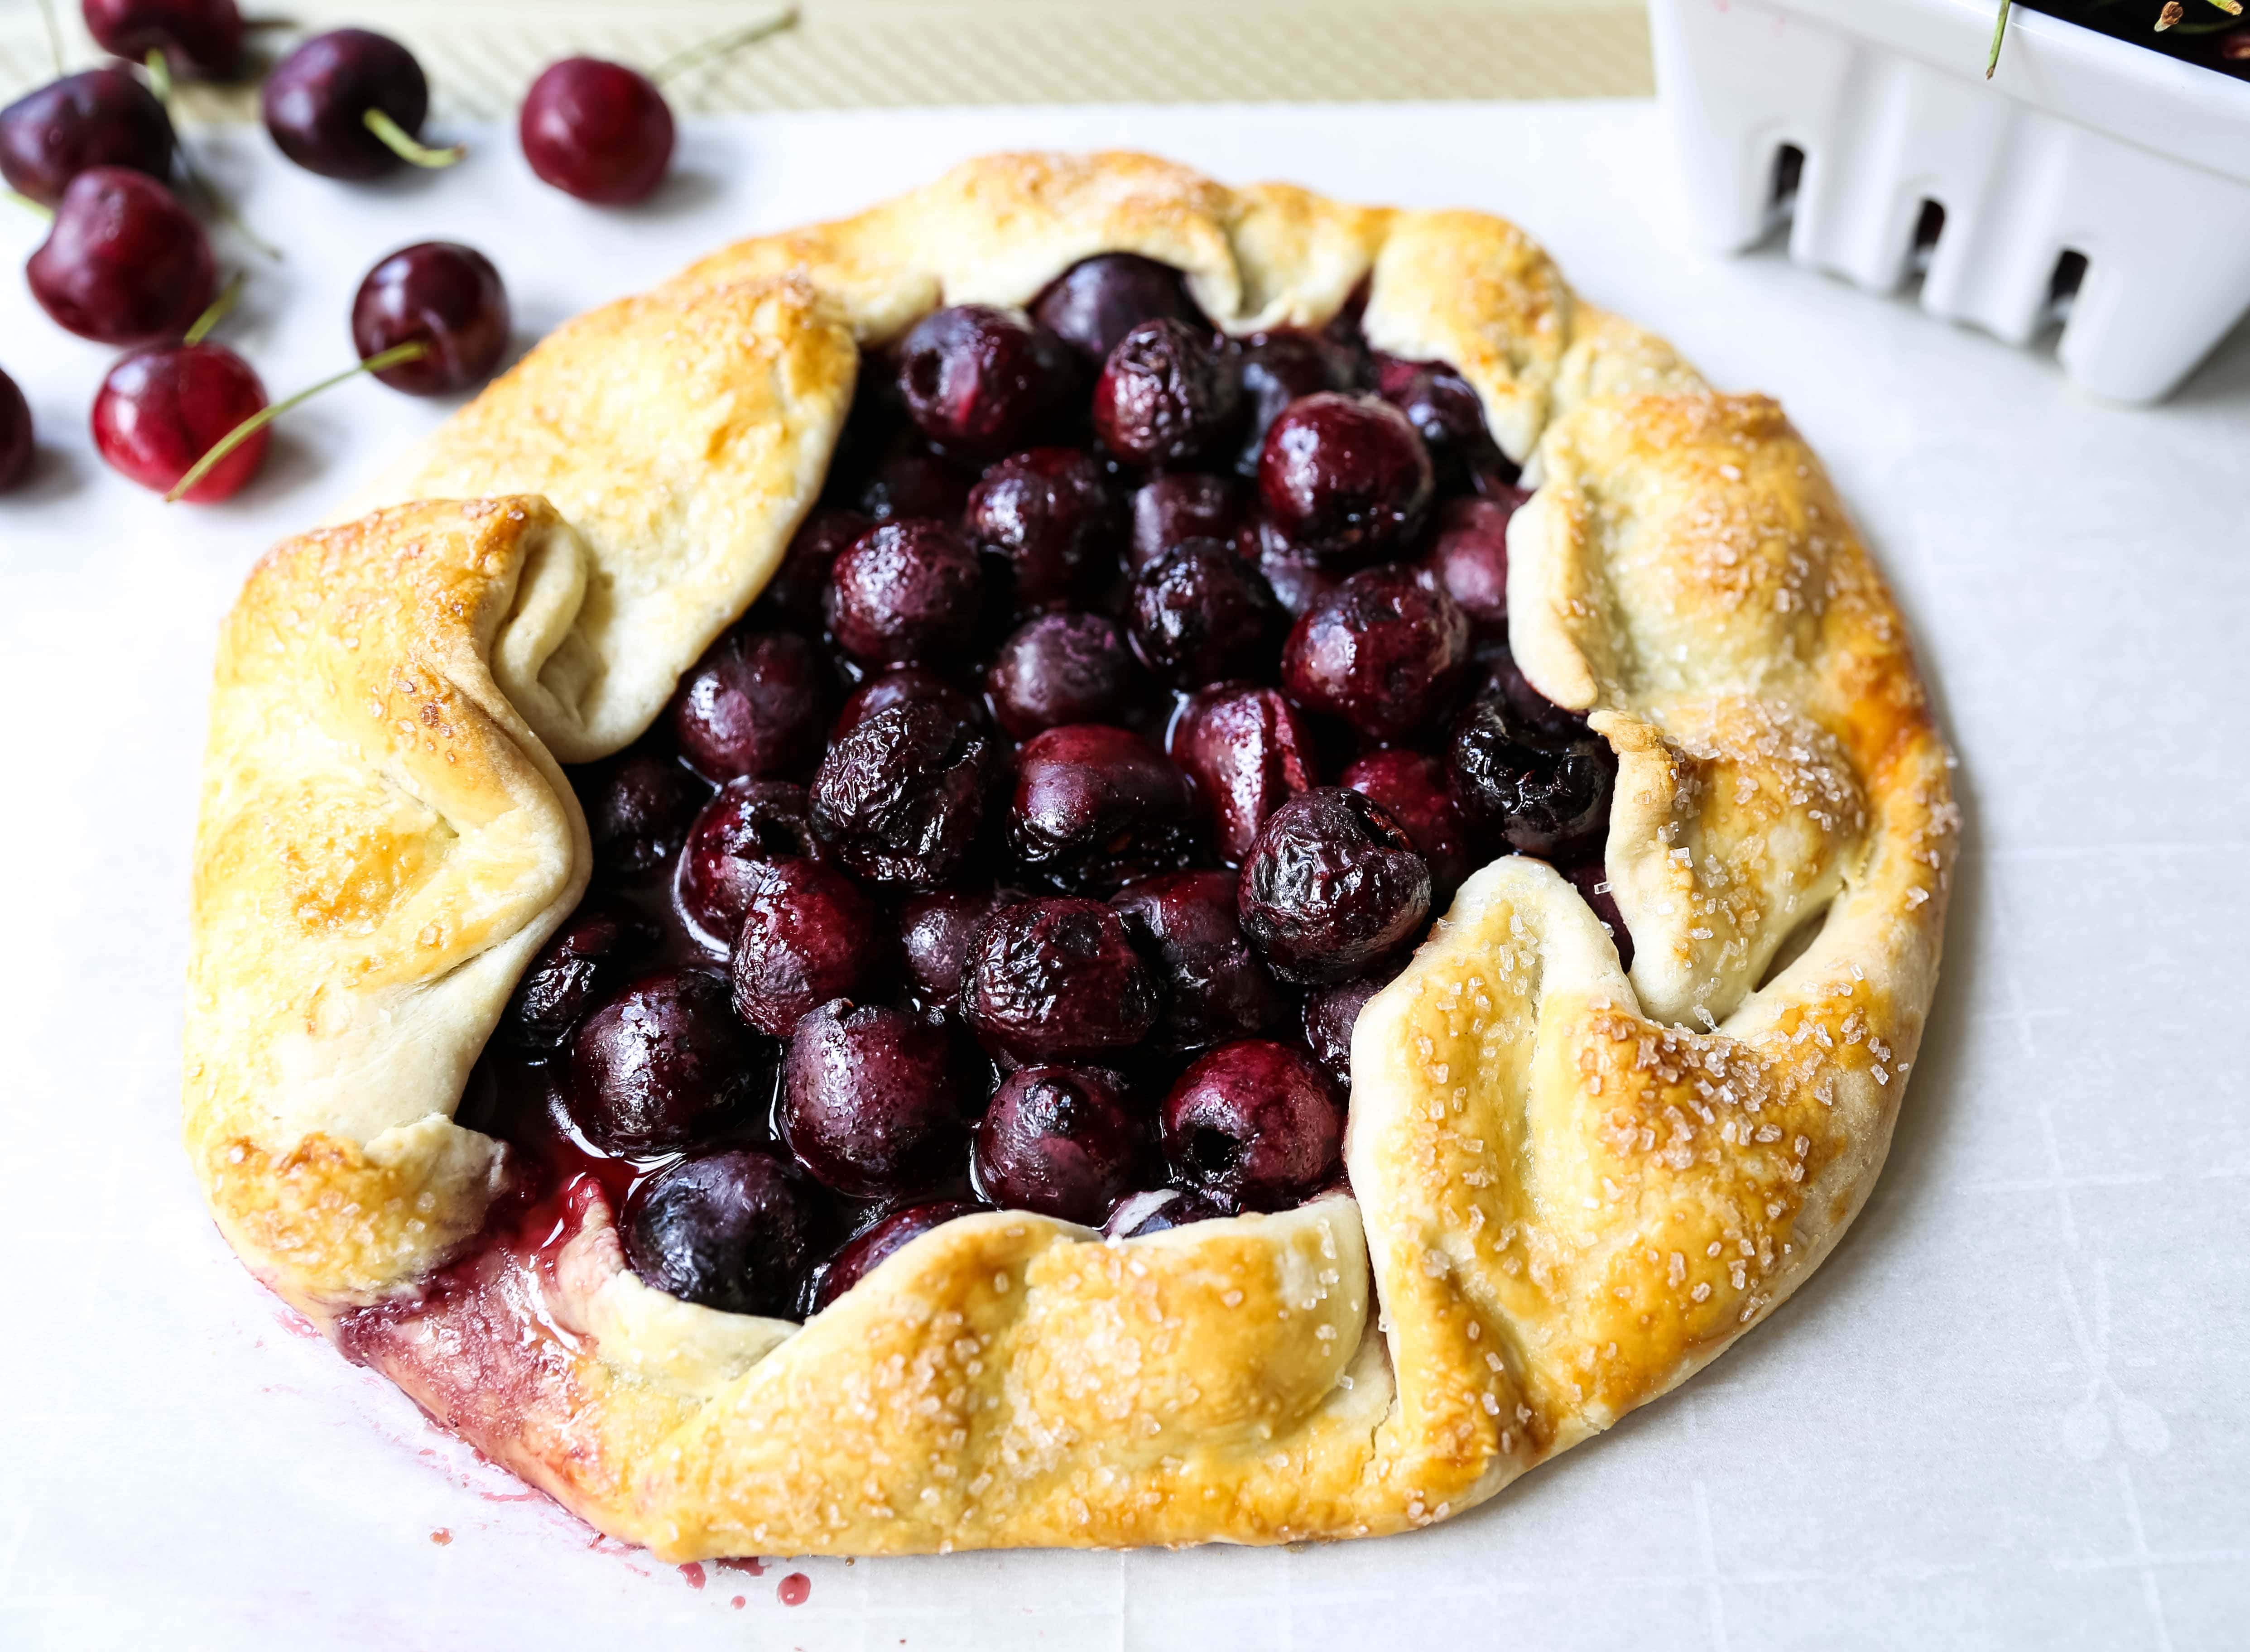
(2012, 1410)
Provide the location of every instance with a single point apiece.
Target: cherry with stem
(257, 422)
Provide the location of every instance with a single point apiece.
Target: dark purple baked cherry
(1332, 887)
(904, 590)
(756, 704)
(1048, 514)
(794, 593)
(934, 932)
(17, 445)
(1200, 613)
(1059, 669)
(596, 130)
(1281, 367)
(578, 965)
(98, 117)
(1057, 1141)
(1158, 1210)
(899, 797)
(1329, 1014)
(748, 822)
(317, 101)
(1215, 985)
(1296, 575)
(869, 1248)
(983, 382)
(1252, 1126)
(1446, 413)
(903, 683)
(912, 482)
(123, 261)
(731, 1230)
(1386, 651)
(160, 409)
(808, 934)
(1345, 475)
(1165, 396)
(1591, 880)
(1057, 979)
(1468, 559)
(639, 811)
(1098, 300)
(199, 38)
(444, 296)
(1410, 786)
(1247, 751)
(1095, 807)
(870, 1103)
(659, 1065)
(1172, 509)
(1542, 790)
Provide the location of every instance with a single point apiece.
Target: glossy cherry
(808, 934)
(639, 806)
(596, 130)
(1095, 808)
(1215, 985)
(899, 798)
(1248, 751)
(1332, 886)
(910, 482)
(444, 296)
(1345, 477)
(1328, 1016)
(731, 1230)
(1098, 300)
(1591, 880)
(904, 590)
(792, 596)
(1048, 514)
(1468, 558)
(160, 409)
(1410, 786)
(1386, 651)
(933, 934)
(871, 1247)
(903, 683)
(981, 381)
(755, 705)
(202, 37)
(1057, 668)
(1298, 576)
(1165, 396)
(1541, 786)
(659, 1065)
(1158, 1210)
(1252, 1126)
(749, 821)
(1169, 510)
(123, 263)
(317, 99)
(1057, 1142)
(1057, 979)
(17, 445)
(1200, 613)
(99, 117)
(574, 971)
(1278, 370)
(870, 1103)
(1445, 411)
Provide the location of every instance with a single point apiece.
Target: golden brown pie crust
(1572, 1189)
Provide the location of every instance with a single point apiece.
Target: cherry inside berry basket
(1118, 723)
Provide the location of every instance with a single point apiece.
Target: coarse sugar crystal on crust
(1570, 1187)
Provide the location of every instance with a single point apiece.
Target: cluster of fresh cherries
(1110, 733)
(127, 264)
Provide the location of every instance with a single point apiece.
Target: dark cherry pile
(1113, 730)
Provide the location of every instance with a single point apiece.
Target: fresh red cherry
(596, 130)
(15, 443)
(981, 381)
(161, 410)
(349, 104)
(1386, 651)
(202, 37)
(103, 117)
(123, 263)
(445, 297)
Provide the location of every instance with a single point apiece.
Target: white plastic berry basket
(2088, 178)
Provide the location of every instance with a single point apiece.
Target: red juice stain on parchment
(795, 1589)
(755, 1568)
(694, 1574)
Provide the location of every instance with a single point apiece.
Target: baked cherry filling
(1110, 733)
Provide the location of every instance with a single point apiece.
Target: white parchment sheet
(2012, 1410)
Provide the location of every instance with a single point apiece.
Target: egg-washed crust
(1572, 1189)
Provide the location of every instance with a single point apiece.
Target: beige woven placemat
(892, 54)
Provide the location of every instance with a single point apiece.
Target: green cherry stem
(217, 311)
(160, 82)
(406, 146)
(708, 51)
(1999, 34)
(160, 78)
(234, 439)
(29, 204)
